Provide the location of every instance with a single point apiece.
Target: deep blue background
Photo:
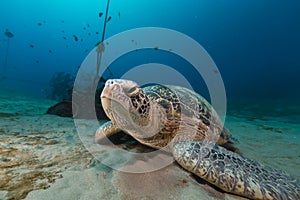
(255, 44)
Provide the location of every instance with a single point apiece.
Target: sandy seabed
(42, 157)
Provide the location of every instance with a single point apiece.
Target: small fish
(62, 21)
(50, 51)
(88, 25)
(39, 24)
(8, 33)
(84, 28)
(119, 14)
(64, 37)
(108, 19)
(89, 34)
(62, 31)
(37, 61)
(31, 46)
(156, 48)
(97, 33)
(100, 14)
(75, 38)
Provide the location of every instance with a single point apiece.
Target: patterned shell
(186, 111)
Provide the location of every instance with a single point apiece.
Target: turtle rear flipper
(227, 141)
(231, 147)
(234, 173)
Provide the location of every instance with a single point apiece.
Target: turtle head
(125, 103)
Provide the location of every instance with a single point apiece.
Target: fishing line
(105, 20)
(6, 57)
(5, 61)
(100, 48)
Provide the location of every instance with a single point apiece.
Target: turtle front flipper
(105, 130)
(234, 173)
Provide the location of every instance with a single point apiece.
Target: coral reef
(64, 108)
(60, 86)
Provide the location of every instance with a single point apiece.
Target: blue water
(255, 44)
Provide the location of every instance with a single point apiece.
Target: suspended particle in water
(75, 38)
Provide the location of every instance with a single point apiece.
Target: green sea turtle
(184, 123)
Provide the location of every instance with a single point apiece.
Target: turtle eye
(133, 91)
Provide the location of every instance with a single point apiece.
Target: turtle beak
(111, 95)
(107, 90)
(114, 96)
(106, 99)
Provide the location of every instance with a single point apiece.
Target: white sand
(42, 157)
(3, 194)
(87, 184)
(273, 143)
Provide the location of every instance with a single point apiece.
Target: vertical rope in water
(105, 20)
(5, 60)
(100, 49)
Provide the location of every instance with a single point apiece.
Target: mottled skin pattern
(158, 112)
(158, 116)
(234, 173)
